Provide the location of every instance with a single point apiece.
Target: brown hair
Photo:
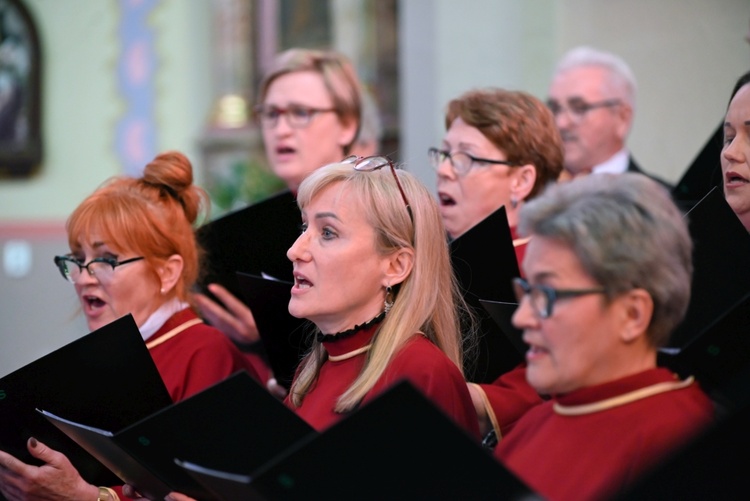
(152, 216)
(338, 75)
(518, 124)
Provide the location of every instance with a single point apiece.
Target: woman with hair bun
(133, 251)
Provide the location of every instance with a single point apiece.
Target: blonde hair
(339, 78)
(151, 216)
(427, 301)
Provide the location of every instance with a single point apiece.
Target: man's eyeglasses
(103, 268)
(369, 164)
(460, 161)
(577, 107)
(543, 297)
(297, 116)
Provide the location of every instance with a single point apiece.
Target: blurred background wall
(122, 80)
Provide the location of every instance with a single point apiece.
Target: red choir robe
(592, 443)
(419, 361)
(192, 359)
(507, 399)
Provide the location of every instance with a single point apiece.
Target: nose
(85, 276)
(733, 151)
(298, 250)
(445, 169)
(563, 119)
(524, 316)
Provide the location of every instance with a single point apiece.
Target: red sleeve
(509, 397)
(198, 358)
(431, 371)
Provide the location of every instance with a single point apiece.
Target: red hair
(151, 216)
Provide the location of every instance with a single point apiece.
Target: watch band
(107, 494)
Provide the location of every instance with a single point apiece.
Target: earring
(162, 291)
(388, 303)
(513, 202)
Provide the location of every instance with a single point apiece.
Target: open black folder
(397, 446)
(712, 342)
(284, 337)
(484, 261)
(252, 240)
(233, 424)
(502, 313)
(106, 378)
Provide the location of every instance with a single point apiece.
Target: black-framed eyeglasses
(297, 116)
(461, 161)
(577, 107)
(103, 268)
(543, 297)
(369, 164)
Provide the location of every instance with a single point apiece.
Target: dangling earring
(513, 202)
(388, 303)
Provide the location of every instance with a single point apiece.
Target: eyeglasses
(543, 297)
(577, 107)
(369, 164)
(297, 116)
(460, 161)
(100, 267)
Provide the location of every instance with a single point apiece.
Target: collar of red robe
(327, 338)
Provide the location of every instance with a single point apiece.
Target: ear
(625, 120)
(637, 310)
(522, 181)
(398, 266)
(170, 272)
(348, 133)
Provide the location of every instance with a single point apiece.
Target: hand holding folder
(234, 424)
(106, 378)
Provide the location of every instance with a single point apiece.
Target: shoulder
(420, 360)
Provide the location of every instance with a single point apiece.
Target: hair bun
(172, 172)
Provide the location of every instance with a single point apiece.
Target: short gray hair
(621, 77)
(627, 233)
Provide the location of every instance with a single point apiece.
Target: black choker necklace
(322, 338)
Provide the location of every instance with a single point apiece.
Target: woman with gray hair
(608, 278)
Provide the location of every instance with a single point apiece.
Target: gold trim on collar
(169, 335)
(517, 242)
(626, 398)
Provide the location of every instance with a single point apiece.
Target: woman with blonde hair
(309, 111)
(372, 272)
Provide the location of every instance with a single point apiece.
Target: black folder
(721, 268)
(284, 337)
(233, 424)
(702, 174)
(712, 342)
(106, 378)
(502, 313)
(484, 261)
(398, 446)
(252, 240)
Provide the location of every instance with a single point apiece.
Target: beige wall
(686, 55)
(81, 106)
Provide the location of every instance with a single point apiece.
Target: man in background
(592, 96)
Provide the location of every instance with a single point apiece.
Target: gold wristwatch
(107, 494)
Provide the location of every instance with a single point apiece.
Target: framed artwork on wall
(20, 91)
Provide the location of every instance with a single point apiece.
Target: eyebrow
(323, 215)
(746, 123)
